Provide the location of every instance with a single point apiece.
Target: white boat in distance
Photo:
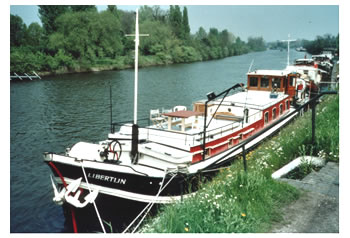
(164, 161)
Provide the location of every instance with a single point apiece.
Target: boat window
(281, 109)
(264, 83)
(276, 82)
(253, 82)
(266, 117)
(287, 104)
(274, 113)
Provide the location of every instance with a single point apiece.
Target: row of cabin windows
(246, 112)
(274, 114)
(265, 82)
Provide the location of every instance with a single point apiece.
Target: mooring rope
(149, 205)
(88, 185)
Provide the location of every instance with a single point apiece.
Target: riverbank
(239, 202)
(122, 63)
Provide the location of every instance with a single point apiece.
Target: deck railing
(312, 103)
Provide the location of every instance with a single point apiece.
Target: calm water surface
(54, 113)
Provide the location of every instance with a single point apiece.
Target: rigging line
(150, 207)
(88, 185)
(217, 109)
(165, 173)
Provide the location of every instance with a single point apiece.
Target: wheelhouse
(273, 81)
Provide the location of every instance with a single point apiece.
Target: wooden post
(313, 121)
(244, 159)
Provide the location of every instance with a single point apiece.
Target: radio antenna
(110, 104)
(251, 64)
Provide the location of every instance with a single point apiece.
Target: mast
(137, 41)
(288, 41)
(135, 134)
(136, 64)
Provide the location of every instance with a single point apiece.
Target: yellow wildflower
(243, 214)
(186, 229)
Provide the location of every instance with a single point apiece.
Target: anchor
(65, 194)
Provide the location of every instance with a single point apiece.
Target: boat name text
(110, 179)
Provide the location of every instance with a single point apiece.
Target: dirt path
(317, 209)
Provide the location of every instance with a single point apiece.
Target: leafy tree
(35, 36)
(159, 39)
(186, 25)
(112, 8)
(85, 35)
(256, 43)
(201, 34)
(82, 8)
(213, 37)
(321, 42)
(79, 36)
(48, 15)
(145, 13)
(17, 30)
(175, 20)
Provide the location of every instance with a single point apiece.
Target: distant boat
(301, 49)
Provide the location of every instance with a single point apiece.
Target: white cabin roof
(254, 99)
(297, 68)
(269, 72)
(304, 60)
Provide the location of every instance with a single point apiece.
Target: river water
(58, 111)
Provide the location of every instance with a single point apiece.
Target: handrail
(246, 141)
(209, 133)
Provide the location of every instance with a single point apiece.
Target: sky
(272, 22)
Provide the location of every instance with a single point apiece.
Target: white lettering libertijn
(107, 178)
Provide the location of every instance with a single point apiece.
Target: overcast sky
(272, 22)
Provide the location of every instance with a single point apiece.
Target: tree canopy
(77, 37)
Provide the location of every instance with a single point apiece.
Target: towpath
(317, 209)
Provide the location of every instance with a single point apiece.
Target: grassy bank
(238, 202)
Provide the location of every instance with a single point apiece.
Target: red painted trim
(59, 173)
(74, 220)
(65, 185)
(258, 125)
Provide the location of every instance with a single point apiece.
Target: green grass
(230, 203)
(235, 201)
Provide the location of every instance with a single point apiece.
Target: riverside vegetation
(235, 201)
(79, 38)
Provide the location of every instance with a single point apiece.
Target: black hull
(116, 214)
(180, 184)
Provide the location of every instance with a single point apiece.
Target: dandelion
(243, 214)
(187, 229)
